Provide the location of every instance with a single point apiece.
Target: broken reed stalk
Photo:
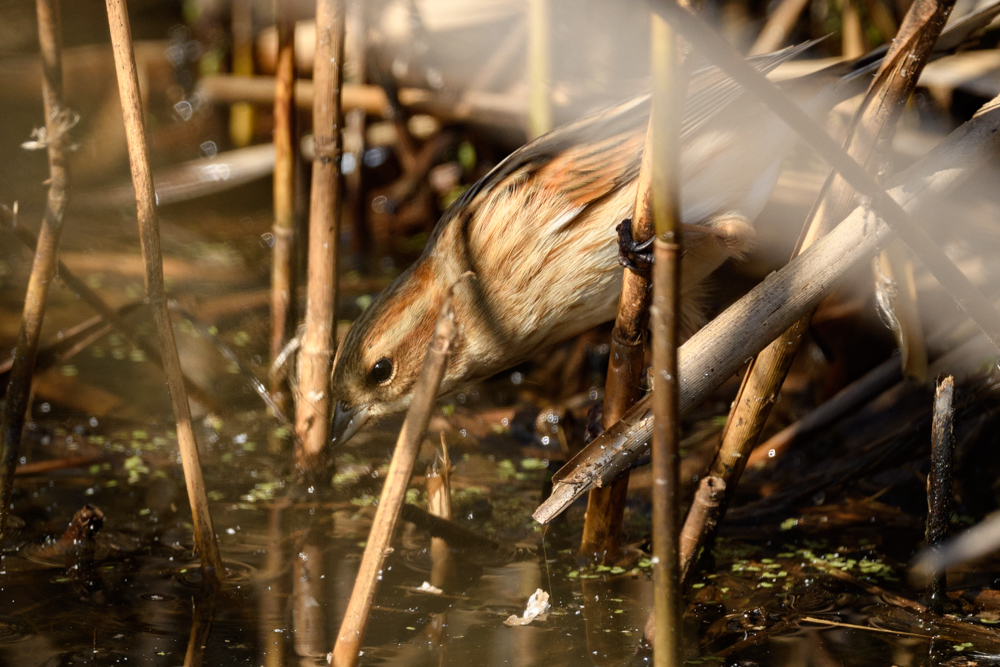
(58, 121)
(939, 481)
(665, 316)
(873, 126)
(720, 53)
(720, 348)
(149, 237)
(283, 229)
(318, 343)
(602, 526)
(439, 505)
(539, 68)
(352, 629)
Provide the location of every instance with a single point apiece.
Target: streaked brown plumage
(538, 232)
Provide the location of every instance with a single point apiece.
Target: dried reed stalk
(316, 356)
(720, 348)
(352, 629)
(283, 229)
(58, 121)
(149, 236)
(665, 317)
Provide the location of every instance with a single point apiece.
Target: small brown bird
(538, 232)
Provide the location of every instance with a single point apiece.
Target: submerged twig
(57, 124)
(149, 236)
(352, 629)
(312, 417)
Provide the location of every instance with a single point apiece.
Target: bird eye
(381, 371)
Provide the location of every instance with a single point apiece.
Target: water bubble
(184, 110)
(209, 148)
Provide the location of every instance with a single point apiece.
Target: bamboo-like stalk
(283, 229)
(939, 481)
(57, 125)
(149, 236)
(602, 524)
(719, 349)
(352, 629)
(665, 315)
(315, 359)
(539, 67)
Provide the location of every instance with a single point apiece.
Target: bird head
(381, 357)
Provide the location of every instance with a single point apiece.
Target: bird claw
(634, 255)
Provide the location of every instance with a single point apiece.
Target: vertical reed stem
(352, 629)
(665, 319)
(149, 236)
(57, 124)
(315, 359)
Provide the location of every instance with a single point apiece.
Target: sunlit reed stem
(665, 320)
(318, 343)
(352, 629)
(58, 122)
(149, 236)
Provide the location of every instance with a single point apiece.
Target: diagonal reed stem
(352, 629)
(149, 237)
(57, 124)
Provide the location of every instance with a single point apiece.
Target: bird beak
(347, 421)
